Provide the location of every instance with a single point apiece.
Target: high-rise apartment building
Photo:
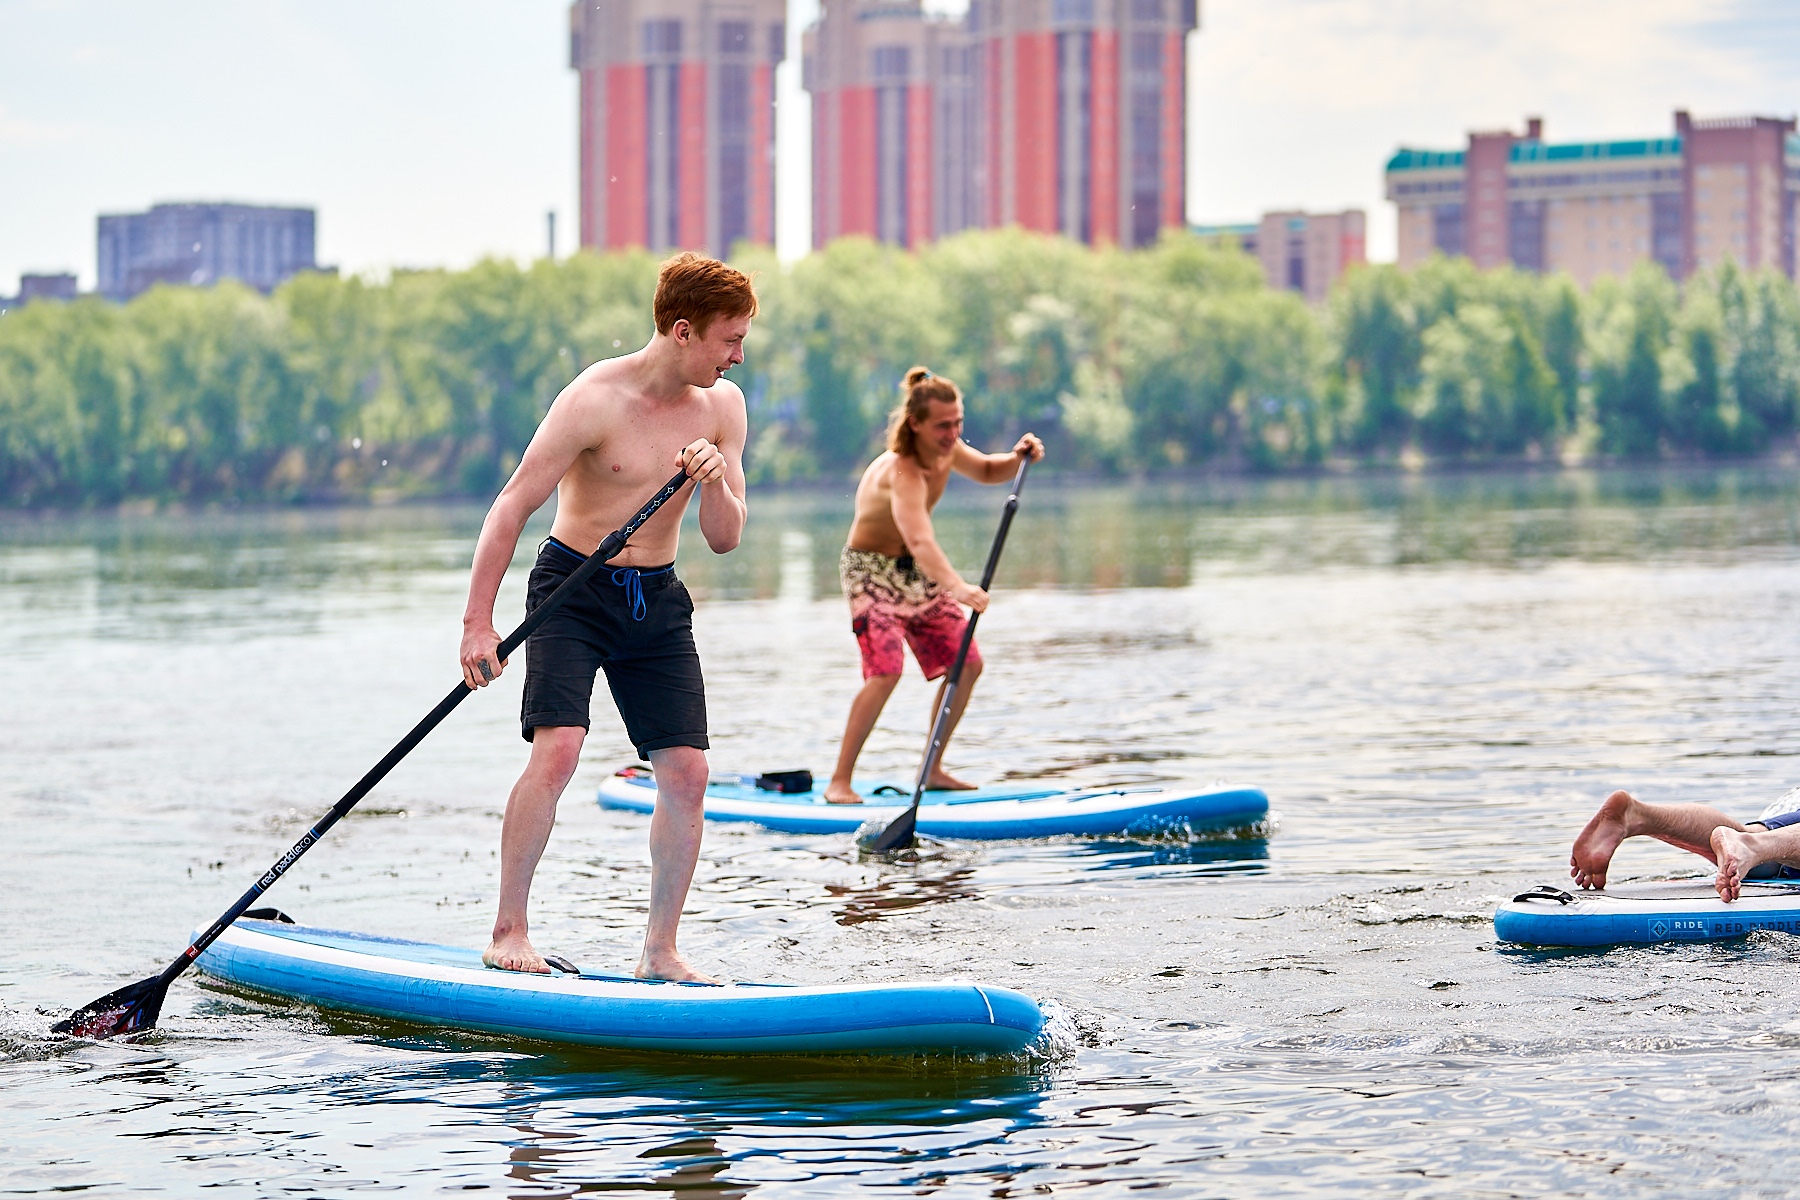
(1717, 189)
(677, 121)
(200, 244)
(1061, 116)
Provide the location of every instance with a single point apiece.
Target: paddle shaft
(899, 832)
(609, 548)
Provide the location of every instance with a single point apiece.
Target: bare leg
(675, 829)
(530, 812)
(1739, 851)
(864, 711)
(1621, 816)
(941, 780)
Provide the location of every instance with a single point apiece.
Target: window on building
(777, 42)
(1146, 165)
(892, 63)
(662, 37)
(1147, 10)
(734, 152)
(1447, 229)
(1525, 233)
(734, 37)
(1072, 12)
(662, 118)
(891, 164)
(1144, 107)
(1147, 52)
(1074, 134)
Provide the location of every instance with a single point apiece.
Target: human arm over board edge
(996, 468)
(723, 507)
(913, 518)
(552, 450)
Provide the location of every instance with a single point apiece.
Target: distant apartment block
(200, 244)
(58, 286)
(1061, 116)
(1717, 189)
(677, 121)
(1302, 252)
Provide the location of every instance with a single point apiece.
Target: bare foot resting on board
(841, 793)
(942, 781)
(1597, 843)
(515, 954)
(671, 967)
(1737, 856)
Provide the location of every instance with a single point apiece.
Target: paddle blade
(897, 836)
(115, 1014)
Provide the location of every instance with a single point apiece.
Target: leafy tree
(1379, 355)
(1632, 324)
(1486, 386)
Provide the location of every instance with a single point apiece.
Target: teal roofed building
(1715, 190)
(1299, 251)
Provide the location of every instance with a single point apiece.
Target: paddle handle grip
(609, 548)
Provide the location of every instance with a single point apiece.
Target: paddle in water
(899, 835)
(136, 1007)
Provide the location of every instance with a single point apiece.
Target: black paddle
(899, 833)
(136, 1007)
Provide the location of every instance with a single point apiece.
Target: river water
(1435, 679)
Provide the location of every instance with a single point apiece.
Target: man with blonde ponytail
(900, 584)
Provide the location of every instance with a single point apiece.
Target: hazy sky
(435, 133)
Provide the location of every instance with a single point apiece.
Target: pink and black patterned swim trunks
(893, 602)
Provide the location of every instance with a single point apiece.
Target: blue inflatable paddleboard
(449, 986)
(1686, 910)
(1018, 811)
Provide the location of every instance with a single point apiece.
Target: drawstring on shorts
(629, 578)
(632, 580)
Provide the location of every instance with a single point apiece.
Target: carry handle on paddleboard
(136, 1007)
(899, 833)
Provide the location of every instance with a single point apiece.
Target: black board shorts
(638, 627)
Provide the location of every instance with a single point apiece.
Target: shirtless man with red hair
(608, 442)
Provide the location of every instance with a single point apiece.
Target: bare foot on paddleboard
(515, 954)
(1736, 855)
(944, 781)
(670, 967)
(1596, 844)
(841, 793)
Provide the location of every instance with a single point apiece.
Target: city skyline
(436, 135)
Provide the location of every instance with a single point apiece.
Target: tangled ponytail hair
(917, 391)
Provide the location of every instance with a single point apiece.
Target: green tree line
(431, 382)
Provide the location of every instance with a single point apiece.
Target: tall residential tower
(1061, 116)
(677, 121)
